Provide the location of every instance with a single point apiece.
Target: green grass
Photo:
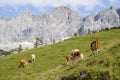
(50, 60)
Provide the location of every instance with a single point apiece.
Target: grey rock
(59, 24)
(105, 19)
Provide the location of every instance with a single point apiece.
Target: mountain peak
(62, 7)
(26, 12)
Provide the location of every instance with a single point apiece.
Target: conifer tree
(37, 42)
(20, 48)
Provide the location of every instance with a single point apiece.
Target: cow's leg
(94, 52)
(34, 59)
(98, 50)
(67, 62)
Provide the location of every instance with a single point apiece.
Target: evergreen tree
(20, 48)
(37, 42)
(53, 40)
(75, 34)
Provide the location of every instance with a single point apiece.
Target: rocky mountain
(105, 19)
(23, 29)
(57, 25)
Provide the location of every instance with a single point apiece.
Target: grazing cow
(68, 58)
(32, 58)
(75, 53)
(23, 63)
(94, 46)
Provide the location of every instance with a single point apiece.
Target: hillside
(50, 60)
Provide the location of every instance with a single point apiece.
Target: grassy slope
(51, 59)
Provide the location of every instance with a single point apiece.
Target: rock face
(104, 19)
(118, 10)
(57, 25)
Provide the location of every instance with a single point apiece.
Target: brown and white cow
(68, 58)
(95, 46)
(75, 53)
(23, 63)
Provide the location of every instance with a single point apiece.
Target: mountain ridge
(59, 24)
